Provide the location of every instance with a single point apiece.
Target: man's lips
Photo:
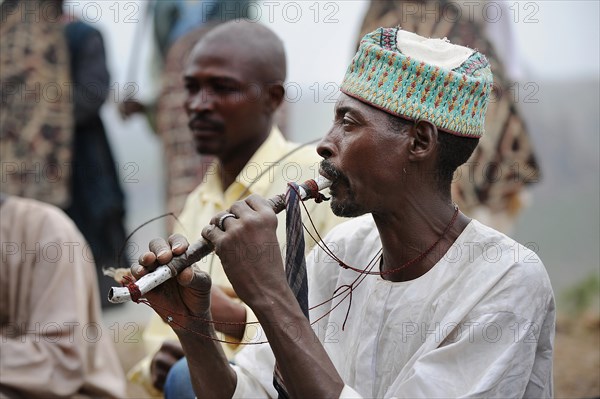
(325, 175)
(203, 132)
(331, 178)
(197, 127)
(333, 174)
(200, 125)
(327, 170)
(205, 135)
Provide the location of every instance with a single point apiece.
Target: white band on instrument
(222, 220)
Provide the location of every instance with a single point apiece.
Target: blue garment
(190, 15)
(179, 383)
(173, 19)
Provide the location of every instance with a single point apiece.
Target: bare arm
(229, 315)
(184, 303)
(259, 280)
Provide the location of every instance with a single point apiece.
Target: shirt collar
(249, 180)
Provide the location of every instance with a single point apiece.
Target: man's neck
(232, 166)
(410, 231)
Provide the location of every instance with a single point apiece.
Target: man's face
(225, 102)
(363, 158)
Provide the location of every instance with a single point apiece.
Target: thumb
(196, 294)
(195, 279)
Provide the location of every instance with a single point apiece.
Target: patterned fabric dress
(36, 114)
(504, 161)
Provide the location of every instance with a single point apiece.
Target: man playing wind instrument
(426, 302)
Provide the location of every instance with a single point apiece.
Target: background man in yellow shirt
(233, 89)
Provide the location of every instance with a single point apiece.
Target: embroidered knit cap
(415, 78)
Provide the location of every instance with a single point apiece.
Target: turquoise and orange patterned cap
(415, 78)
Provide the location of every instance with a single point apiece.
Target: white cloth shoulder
(480, 323)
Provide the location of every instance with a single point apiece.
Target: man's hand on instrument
(245, 239)
(162, 361)
(183, 302)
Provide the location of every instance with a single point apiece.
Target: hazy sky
(553, 39)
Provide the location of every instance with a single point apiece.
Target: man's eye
(221, 88)
(347, 122)
(191, 87)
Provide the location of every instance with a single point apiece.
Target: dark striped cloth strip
(295, 265)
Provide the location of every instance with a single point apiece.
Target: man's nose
(202, 100)
(326, 148)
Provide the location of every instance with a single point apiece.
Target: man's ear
(423, 141)
(275, 93)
